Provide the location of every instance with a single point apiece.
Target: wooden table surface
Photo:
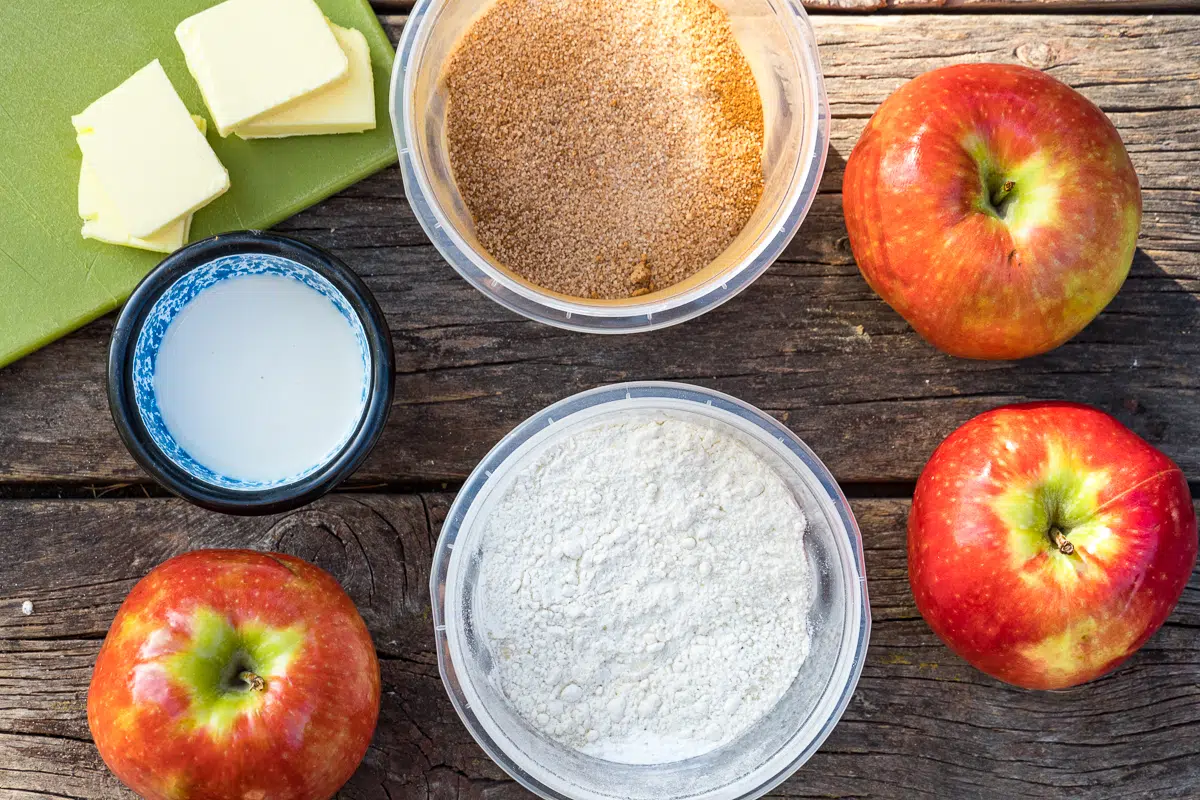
(808, 342)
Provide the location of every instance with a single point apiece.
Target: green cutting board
(56, 57)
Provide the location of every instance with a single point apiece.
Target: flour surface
(645, 590)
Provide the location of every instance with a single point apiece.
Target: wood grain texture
(922, 724)
(860, 6)
(808, 342)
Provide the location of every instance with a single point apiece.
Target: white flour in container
(644, 590)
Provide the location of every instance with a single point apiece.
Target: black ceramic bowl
(130, 371)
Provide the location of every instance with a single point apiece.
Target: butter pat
(143, 146)
(102, 222)
(345, 106)
(252, 56)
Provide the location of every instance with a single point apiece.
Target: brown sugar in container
(605, 150)
(777, 44)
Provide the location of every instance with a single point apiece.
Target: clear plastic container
(777, 39)
(749, 765)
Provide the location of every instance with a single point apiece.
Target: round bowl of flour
(650, 591)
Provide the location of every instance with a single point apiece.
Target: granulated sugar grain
(604, 150)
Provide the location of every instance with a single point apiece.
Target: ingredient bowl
(778, 42)
(167, 293)
(773, 747)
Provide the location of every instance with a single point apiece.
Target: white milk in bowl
(260, 377)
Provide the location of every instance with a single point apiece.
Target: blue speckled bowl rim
(127, 415)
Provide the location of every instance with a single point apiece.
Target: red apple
(235, 675)
(993, 207)
(1047, 542)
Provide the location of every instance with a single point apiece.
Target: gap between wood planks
(854, 490)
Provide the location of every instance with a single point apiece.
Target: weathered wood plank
(809, 341)
(1022, 6)
(922, 724)
(1015, 6)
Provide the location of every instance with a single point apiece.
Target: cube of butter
(251, 56)
(143, 145)
(102, 222)
(345, 106)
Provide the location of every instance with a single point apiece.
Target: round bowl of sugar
(650, 591)
(610, 167)
(250, 373)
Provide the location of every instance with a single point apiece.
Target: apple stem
(1060, 541)
(253, 681)
(1001, 194)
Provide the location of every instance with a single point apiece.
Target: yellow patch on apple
(1086, 646)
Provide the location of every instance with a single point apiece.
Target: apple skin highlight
(993, 207)
(234, 673)
(1047, 542)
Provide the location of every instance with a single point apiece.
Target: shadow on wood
(1161, 311)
